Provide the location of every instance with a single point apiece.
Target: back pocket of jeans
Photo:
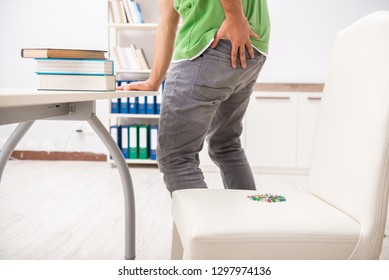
(215, 80)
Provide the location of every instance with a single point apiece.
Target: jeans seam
(168, 112)
(198, 67)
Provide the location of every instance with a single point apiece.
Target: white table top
(27, 97)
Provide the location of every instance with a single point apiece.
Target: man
(217, 56)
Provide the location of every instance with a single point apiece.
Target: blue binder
(133, 105)
(158, 98)
(141, 105)
(115, 104)
(124, 106)
(124, 141)
(150, 101)
(158, 101)
(153, 141)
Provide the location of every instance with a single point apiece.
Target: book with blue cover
(136, 12)
(140, 14)
(58, 66)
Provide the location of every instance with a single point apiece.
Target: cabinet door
(309, 105)
(271, 129)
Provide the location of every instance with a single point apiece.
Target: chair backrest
(350, 161)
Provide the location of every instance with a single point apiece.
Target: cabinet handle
(314, 98)
(272, 97)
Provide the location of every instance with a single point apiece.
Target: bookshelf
(121, 34)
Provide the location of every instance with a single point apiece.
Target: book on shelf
(140, 14)
(118, 58)
(62, 53)
(127, 56)
(117, 12)
(77, 82)
(136, 12)
(142, 59)
(74, 66)
(126, 11)
(111, 13)
(135, 63)
(130, 58)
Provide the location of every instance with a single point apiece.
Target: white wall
(303, 33)
(56, 24)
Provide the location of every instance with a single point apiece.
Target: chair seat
(226, 224)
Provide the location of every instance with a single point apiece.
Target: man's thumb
(215, 42)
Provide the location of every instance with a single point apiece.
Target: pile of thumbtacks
(267, 198)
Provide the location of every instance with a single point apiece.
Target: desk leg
(11, 143)
(129, 201)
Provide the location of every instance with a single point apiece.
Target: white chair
(343, 213)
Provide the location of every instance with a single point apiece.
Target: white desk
(27, 106)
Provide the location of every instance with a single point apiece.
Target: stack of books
(126, 11)
(72, 69)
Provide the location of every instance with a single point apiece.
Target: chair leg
(177, 250)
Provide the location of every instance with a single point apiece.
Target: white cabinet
(279, 130)
(278, 133)
(309, 105)
(271, 129)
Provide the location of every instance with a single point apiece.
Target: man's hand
(237, 30)
(143, 85)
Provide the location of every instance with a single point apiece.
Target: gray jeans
(206, 98)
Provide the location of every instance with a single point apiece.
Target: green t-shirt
(202, 19)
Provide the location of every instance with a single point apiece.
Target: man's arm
(163, 47)
(235, 28)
